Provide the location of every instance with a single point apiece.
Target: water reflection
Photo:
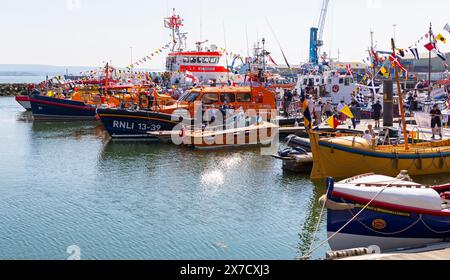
(63, 130)
(312, 218)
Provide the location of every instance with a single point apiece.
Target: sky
(91, 32)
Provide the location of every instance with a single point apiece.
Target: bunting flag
(191, 77)
(306, 113)
(149, 57)
(396, 62)
(415, 53)
(360, 98)
(447, 27)
(440, 54)
(271, 60)
(384, 72)
(375, 56)
(401, 52)
(333, 122)
(349, 70)
(346, 111)
(441, 38)
(430, 46)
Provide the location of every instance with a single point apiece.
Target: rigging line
(278, 42)
(351, 220)
(388, 233)
(226, 49)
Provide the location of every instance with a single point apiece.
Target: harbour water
(64, 184)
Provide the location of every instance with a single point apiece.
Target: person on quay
(436, 121)
(377, 108)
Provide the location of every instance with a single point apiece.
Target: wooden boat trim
(377, 154)
(390, 206)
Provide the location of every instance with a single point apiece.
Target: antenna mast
(174, 23)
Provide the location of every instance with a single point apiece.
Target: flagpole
(429, 63)
(400, 97)
(373, 64)
(106, 79)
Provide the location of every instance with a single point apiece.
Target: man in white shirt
(368, 137)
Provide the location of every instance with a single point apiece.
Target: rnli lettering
(136, 126)
(123, 125)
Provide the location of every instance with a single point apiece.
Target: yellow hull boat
(344, 157)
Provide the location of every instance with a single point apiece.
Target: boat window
(341, 81)
(228, 97)
(214, 60)
(210, 98)
(244, 97)
(199, 60)
(329, 81)
(185, 59)
(205, 60)
(192, 97)
(193, 60)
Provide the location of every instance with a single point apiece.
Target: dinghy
(391, 213)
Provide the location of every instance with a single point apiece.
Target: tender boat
(261, 133)
(391, 213)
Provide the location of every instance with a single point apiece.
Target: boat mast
(226, 50)
(430, 34)
(374, 66)
(106, 79)
(400, 97)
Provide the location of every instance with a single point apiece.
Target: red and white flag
(349, 70)
(191, 77)
(271, 60)
(396, 62)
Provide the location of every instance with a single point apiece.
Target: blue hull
(386, 229)
(48, 108)
(127, 124)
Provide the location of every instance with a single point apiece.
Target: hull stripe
(383, 155)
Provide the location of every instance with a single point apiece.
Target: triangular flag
(441, 38)
(333, 122)
(384, 72)
(272, 60)
(346, 111)
(447, 27)
(440, 54)
(415, 52)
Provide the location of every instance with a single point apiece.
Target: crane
(316, 35)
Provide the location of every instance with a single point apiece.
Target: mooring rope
(311, 251)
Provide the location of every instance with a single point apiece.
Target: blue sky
(89, 32)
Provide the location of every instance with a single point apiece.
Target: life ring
(336, 88)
